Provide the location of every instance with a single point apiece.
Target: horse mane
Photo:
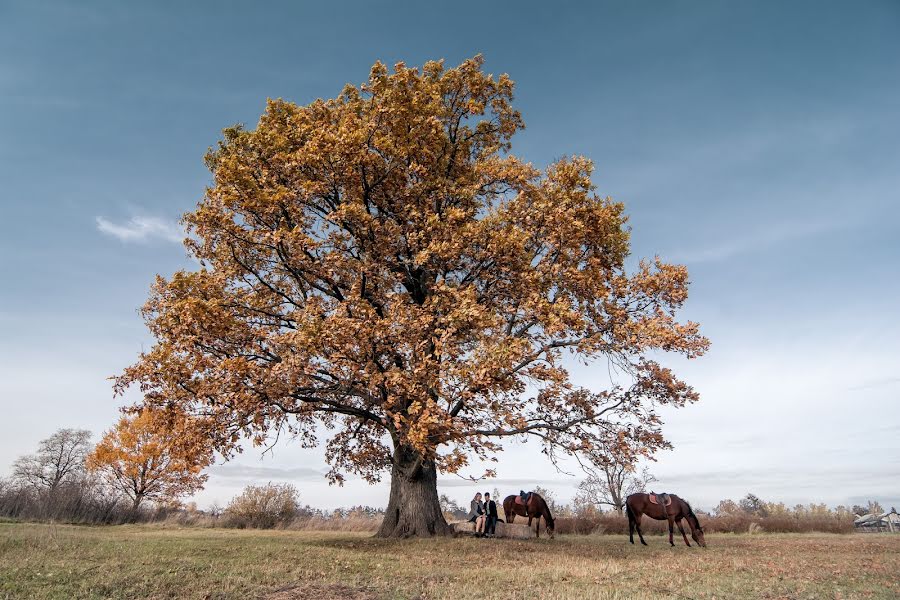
(547, 516)
(691, 514)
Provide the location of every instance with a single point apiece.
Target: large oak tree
(379, 269)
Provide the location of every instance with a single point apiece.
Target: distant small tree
(450, 508)
(817, 510)
(752, 505)
(59, 460)
(585, 508)
(777, 509)
(550, 498)
(874, 508)
(843, 512)
(859, 510)
(149, 456)
(264, 506)
(611, 478)
(727, 507)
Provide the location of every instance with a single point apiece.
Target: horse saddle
(523, 501)
(663, 499)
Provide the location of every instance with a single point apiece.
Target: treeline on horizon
(87, 501)
(57, 484)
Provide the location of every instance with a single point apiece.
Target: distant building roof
(873, 519)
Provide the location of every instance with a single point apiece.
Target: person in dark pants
(490, 513)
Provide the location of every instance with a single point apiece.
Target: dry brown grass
(740, 523)
(146, 561)
(320, 591)
(352, 524)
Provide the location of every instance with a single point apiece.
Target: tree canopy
(151, 455)
(379, 266)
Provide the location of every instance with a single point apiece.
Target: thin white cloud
(874, 383)
(756, 241)
(142, 229)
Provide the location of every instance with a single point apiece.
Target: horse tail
(632, 521)
(509, 509)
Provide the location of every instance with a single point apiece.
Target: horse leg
(671, 531)
(683, 534)
(637, 524)
(630, 527)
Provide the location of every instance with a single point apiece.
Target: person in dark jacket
(490, 515)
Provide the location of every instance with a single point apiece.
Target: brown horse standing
(535, 509)
(638, 505)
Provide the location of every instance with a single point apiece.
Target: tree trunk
(413, 509)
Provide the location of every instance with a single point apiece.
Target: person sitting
(490, 515)
(476, 512)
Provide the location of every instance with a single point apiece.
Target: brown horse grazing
(535, 509)
(638, 505)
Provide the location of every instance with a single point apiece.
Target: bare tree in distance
(550, 498)
(611, 478)
(753, 505)
(450, 507)
(59, 460)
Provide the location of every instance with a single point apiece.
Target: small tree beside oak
(612, 476)
(151, 456)
(380, 269)
(59, 460)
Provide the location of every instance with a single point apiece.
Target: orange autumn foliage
(380, 268)
(151, 455)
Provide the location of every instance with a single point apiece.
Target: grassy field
(62, 561)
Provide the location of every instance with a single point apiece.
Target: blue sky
(758, 143)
